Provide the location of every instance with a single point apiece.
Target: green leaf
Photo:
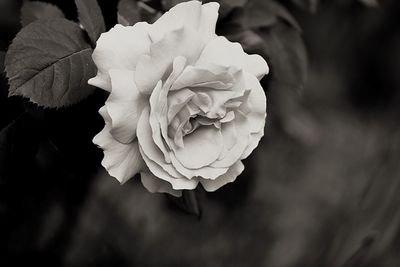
(91, 18)
(286, 53)
(267, 13)
(309, 5)
(31, 11)
(50, 62)
(128, 12)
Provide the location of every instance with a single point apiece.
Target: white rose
(185, 105)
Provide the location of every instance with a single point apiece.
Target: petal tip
(215, 5)
(99, 82)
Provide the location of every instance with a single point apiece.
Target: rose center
(201, 111)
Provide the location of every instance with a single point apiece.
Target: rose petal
(257, 104)
(194, 76)
(124, 105)
(230, 116)
(151, 68)
(202, 101)
(253, 143)
(201, 148)
(159, 109)
(184, 14)
(205, 172)
(176, 101)
(158, 171)
(236, 140)
(149, 148)
(228, 177)
(178, 116)
(122, 161)
(223, 52)
(156, 185)
(254, 121)
(201, 18)
(219, 98)
(158, 105)
(119, 48)
(209, 16)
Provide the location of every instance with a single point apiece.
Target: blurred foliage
(321, 190)
(128, 12)
(132, 11)
(310, 5)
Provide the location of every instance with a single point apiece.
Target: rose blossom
(185, 105)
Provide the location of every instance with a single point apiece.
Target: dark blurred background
(322, 189)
